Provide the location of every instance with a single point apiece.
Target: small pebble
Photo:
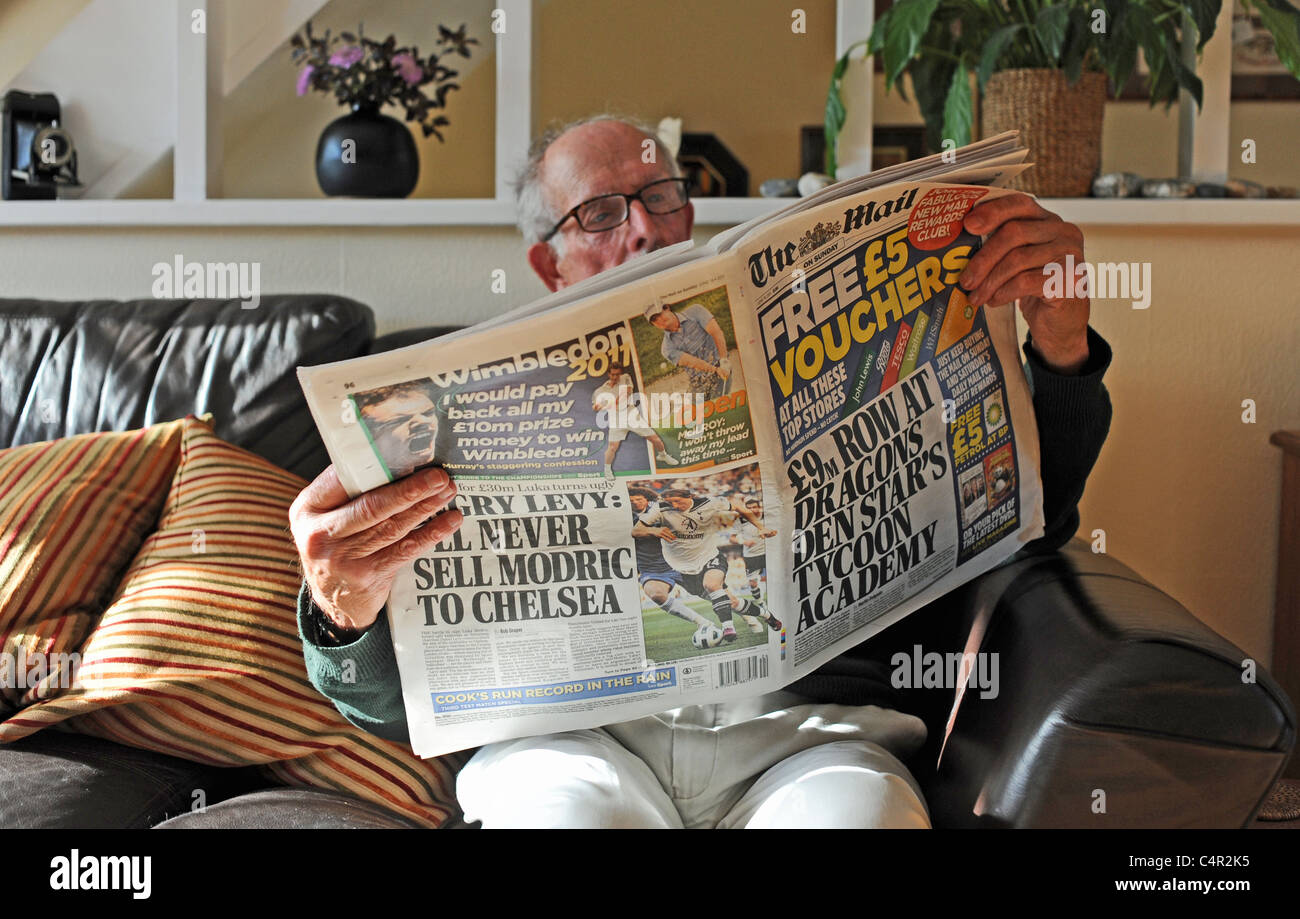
(779, 188)
(812, 182)
(1240, 188)
(1168, 188)
(1117, 185)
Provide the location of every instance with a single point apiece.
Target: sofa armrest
(1115, 707)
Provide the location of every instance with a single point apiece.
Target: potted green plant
(1042, 67)
(366, 153)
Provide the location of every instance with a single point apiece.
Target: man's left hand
(1022, 238)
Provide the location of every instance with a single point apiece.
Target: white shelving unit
(196, 159)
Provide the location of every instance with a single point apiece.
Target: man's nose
(644, 233)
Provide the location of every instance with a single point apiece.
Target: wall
(736, 70)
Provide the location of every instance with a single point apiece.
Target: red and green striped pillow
(199, 657)
(72, 514)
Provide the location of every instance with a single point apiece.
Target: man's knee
(577, 780)
(849, 785)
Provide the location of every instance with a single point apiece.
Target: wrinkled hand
(1023, 237)
(352, 549)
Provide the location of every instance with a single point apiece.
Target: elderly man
(830, 749)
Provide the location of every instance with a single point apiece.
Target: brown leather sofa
(1116, 707)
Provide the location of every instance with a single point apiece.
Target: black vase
(367, 155)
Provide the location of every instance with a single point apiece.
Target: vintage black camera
(39, 156)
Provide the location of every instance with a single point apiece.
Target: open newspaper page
(907, 439)
(703, 482)
(617, 515)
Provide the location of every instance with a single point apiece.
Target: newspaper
(705, 473)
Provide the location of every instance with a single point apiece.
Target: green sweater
(1073, 415)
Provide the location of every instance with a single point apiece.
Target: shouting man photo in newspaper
(828, 751)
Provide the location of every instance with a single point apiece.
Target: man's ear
(542, 259)
(690, 218)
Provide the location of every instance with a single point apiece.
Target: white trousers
(768, 762)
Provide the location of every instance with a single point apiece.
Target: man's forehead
(599, 159)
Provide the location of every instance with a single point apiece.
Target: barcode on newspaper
(742, 670)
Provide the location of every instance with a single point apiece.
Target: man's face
(667, 320)
(596, 159)
(615, 373)
(639, 503)
(680, 502)
(404, 428)
(754, 508)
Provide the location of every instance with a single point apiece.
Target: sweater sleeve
(1073, 414)
(360, 678)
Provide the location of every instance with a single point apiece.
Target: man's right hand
(352, 549)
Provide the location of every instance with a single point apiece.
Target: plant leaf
(1077, 45)
(1205, 13)
(957, 115)
(1283, 21)
(876, 40)
(1185, 77)
(931, 75)
(997, 43)
(1119, 51)
(908, 25)
(834, 116)
(1050, 25)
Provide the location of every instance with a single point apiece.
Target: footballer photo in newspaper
(684, 528)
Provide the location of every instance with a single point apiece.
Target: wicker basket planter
(1059, 123)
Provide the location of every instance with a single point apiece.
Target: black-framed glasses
(609, 211)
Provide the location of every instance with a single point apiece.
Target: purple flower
(304, 79)
(346, 56)
(408, 68)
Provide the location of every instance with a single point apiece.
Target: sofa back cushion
(73, 512)
(102, 365)
(198, 655)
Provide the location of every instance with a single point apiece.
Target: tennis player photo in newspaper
(620, 410)
(402, 423)
(687, 351)
(693, 600)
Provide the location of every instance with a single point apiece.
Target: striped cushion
(199, 655)
(72, 513)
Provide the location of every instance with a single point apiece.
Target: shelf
(1100, 212)
(468, 212)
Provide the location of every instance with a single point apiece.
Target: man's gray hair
(534, 215)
